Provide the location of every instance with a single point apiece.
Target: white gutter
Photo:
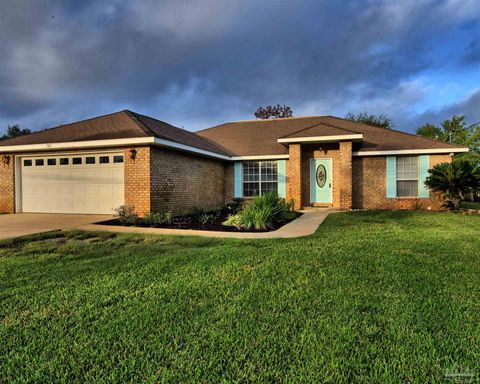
(171, 144)
(260, 157)
(410, 152)
(76, 144)
(320, 139)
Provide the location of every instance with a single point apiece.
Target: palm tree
(454, 180)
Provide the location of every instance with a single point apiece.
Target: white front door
(80, 183)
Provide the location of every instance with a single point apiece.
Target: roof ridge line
(316, 125)
(137, 122)
(260, 120)
(205, 140)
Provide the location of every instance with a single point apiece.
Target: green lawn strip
(471, 204)
(370, 297)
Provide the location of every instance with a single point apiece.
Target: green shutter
(391, 177)
(423, 165)
(238, 179)
(282, 178)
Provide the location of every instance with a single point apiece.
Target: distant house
(96, 165)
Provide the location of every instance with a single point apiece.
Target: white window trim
(397, 179)
(259, 178)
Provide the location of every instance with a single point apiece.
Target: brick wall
(7, 185)
(229, 173)
(137, 179)
(345, 179)
(369, 186)
(295, 175)
(183, 183)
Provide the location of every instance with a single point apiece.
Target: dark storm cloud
(469, 107)
(200, 63)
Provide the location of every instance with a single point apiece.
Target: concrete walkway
(22, 224)
(303, 226)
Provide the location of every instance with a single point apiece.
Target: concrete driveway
(21, 224)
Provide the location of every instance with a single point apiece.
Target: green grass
(374, 297)
(471, 204)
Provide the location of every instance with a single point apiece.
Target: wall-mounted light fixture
(6, 160)
(321, 149)
(133, 153)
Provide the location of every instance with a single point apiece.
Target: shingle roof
(320, 130)
(166, 131)
(259, 137)
(242, 138)
(118, 125)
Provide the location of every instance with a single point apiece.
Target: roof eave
(431, 151)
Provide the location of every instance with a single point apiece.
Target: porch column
(294, 176)
(345, 175)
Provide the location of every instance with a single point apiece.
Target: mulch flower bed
(216, 218)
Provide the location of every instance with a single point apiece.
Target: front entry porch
(320, 174)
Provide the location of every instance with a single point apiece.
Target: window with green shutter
(406, 176)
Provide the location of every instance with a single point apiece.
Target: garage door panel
(53, 205)
(69, 188)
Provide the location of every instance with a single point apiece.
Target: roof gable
(259, 137)
(118, 125)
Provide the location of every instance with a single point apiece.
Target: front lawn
(471, 204)
(370, 297)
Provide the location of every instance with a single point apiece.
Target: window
(77, 160)
(39, 162)
(90, 160)
(52, 162)
(64, 161)
(407, 176)
(104, 159)
(259, 177)
(27, 163)
(118, 159)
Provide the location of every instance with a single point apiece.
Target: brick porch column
(294, 178)
(345, 175)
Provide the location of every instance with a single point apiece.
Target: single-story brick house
(125, 158)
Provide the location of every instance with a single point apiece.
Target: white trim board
(320, 139)
(410, 152)
(259, 157)
(70, 145)
(74, 145)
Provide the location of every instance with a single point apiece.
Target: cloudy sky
(200, 63)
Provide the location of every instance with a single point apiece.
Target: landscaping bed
(262, 214)
(207, 221)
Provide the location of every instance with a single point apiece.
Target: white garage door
(80, 183)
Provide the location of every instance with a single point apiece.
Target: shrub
(168, 217)
(155, 219)
(205, 218)
(126, 214)
(264, 212)
(454, 180)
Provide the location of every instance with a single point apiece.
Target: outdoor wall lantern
(321, 149)
(6, 160)
(133, 153)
